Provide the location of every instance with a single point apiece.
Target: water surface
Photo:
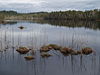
(76, 35)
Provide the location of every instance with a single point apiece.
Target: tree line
(74, 15)
(91, 15)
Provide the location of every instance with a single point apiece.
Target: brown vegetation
(67, 51)
(54, 46)
(22, 50)
(87, 51)
(29, 57)
(45, 55)
(44, 49)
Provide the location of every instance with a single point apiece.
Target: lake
(35, 34)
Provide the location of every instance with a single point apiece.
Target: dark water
(71, 34)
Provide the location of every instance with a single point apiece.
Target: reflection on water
(86, 24)
(35, 35)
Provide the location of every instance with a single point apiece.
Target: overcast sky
(48, 5)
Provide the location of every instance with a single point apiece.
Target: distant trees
(74, 15)
(58, 15)
(8, 12)
(4, 14)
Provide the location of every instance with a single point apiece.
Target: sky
(48, 5)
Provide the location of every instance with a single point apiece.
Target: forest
(88, 15)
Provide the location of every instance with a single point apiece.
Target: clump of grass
(54, 46)
(45, 55)
(29, 57)
(65, 50)
(50, 47)
(68, 51)
(44, 49)
(87, 50)
(23, 50)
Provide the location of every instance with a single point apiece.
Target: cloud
(48, 5)
(22, 1)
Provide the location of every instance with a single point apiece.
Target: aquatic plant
(22, 50)
(79, 52)
(66, 51)
(29, 57)
(44, 49)
(45, 55)
(54, 46)
(87, 51)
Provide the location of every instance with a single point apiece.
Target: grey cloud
(52, 5)
(80, 5)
